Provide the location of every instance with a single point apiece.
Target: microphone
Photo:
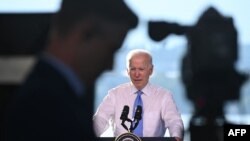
(138, 113)
(137, 117)
(124, 116)
(125, 111)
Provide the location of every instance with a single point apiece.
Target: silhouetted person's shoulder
(46, 108)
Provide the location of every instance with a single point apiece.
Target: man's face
(139, 70)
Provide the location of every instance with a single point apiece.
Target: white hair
(138, 51)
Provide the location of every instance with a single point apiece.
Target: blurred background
(200, 49)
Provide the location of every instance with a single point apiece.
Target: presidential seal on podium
(128, 137)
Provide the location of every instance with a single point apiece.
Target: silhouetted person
(56, 100)
(209, 74)
(208, 69)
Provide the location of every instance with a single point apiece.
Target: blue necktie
(138, 101)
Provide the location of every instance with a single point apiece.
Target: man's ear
(82, 31)
(151, 69)
(88, 30)
(127, 71)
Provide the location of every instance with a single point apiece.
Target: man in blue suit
(56, 100)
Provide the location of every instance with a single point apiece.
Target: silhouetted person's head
(86, 33)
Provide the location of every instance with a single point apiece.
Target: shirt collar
(145, 90)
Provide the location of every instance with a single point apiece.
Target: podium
(142, 138)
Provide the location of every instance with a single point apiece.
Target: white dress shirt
(159, 111)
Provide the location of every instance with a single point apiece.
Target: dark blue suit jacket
(46, 108)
